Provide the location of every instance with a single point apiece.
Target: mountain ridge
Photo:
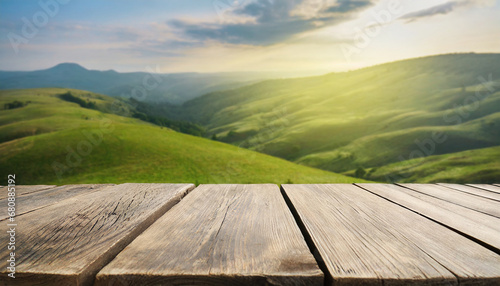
(171, 88)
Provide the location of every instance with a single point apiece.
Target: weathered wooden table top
(179, 234)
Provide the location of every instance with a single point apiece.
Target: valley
(406, 121)
(49, 140)
(368, 118)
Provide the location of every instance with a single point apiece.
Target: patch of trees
(15, 104)
(155, 115)
(236, 136)
(362, 173)
(75, 99)
(179, 126)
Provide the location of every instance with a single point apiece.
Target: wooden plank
(40, 199)
(219, 235)
(472, 202)
(24, 189)
(364, 239)
(482, 227)
(69, 242)
(473, 191)
(491, 188)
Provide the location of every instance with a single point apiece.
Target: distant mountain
(172, 88)
(68, 68)
(368, 118)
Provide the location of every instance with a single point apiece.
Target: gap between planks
(353, 231)
(73, 239)
(492, 188)
(24, 189)
(44, 197)
(466, 200)
(219, 235)
(473, 191)
(479, 227)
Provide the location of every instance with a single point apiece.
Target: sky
(302, 36)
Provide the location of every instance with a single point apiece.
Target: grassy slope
(44, 132)
(365, 118)
(473, 166)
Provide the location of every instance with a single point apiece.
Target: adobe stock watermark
(272, 125)
(455, 116)
(11, 225)
(364, 36)
(75, 156)
(93, 138)
(31, 26)
(222, 7)
(472, 102)
(140, 92)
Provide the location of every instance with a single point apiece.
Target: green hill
(365, 118)
(48, 139)
(478, 166)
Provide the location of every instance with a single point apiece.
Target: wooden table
(176, 234)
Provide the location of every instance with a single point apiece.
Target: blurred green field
(480, 165)
(366, 118)
(52, 141)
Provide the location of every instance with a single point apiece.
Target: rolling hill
(478, 165)
(48, 138)
(366, 118)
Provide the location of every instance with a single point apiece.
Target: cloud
(444, 8)
(273, 21)
(434, 10)
(150, 48)
(266, 11)
(250, 34)
(345, 6)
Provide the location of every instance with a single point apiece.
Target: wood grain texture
(24, 189)
(364, 239)
(466, 200)
(482, 227)
(219, 235)
(69, 242)
(491, 188)
(40, 199)
(474, 191)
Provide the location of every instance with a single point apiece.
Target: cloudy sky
(310, 36)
